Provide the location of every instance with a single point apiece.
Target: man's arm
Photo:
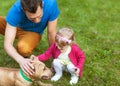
(52, 25)
(10, 34)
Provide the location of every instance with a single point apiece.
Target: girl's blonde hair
(64, 36)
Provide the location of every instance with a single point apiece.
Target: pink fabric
(64, 39)
(76, 55)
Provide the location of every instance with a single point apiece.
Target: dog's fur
(12, 77)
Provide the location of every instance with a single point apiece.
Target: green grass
(97, 29)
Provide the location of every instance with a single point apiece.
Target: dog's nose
(45, 77)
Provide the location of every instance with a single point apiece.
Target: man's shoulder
(15, 14)
(17, 5)
(46, 1)
(50, 9)
(16, 8)
(49, 2)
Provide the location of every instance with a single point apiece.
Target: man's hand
(26, 66)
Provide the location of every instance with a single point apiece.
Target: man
(26, 21)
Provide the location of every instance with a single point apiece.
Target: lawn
(97, 29)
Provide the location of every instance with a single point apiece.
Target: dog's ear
(33, 57)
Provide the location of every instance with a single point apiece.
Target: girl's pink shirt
(76, 55)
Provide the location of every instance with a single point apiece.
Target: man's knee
(24, 49)
(2, 25)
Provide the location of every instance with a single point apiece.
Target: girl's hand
(77, 70)
(26, 66)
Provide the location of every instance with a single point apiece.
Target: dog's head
(41, 70)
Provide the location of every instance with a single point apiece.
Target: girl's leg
(58, 69)
(74, 77)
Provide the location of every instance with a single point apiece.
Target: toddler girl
(67, 56)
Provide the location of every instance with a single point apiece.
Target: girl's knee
(56, 62)
(71, 67)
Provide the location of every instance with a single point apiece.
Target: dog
(16, 77)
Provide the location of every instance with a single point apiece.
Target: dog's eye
(44, 68)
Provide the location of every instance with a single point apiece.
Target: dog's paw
(56, 77)
(74, 80)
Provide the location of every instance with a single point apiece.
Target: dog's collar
(24, 76)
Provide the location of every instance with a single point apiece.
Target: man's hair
(31, 5)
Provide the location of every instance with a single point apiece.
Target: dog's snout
(45, 77)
